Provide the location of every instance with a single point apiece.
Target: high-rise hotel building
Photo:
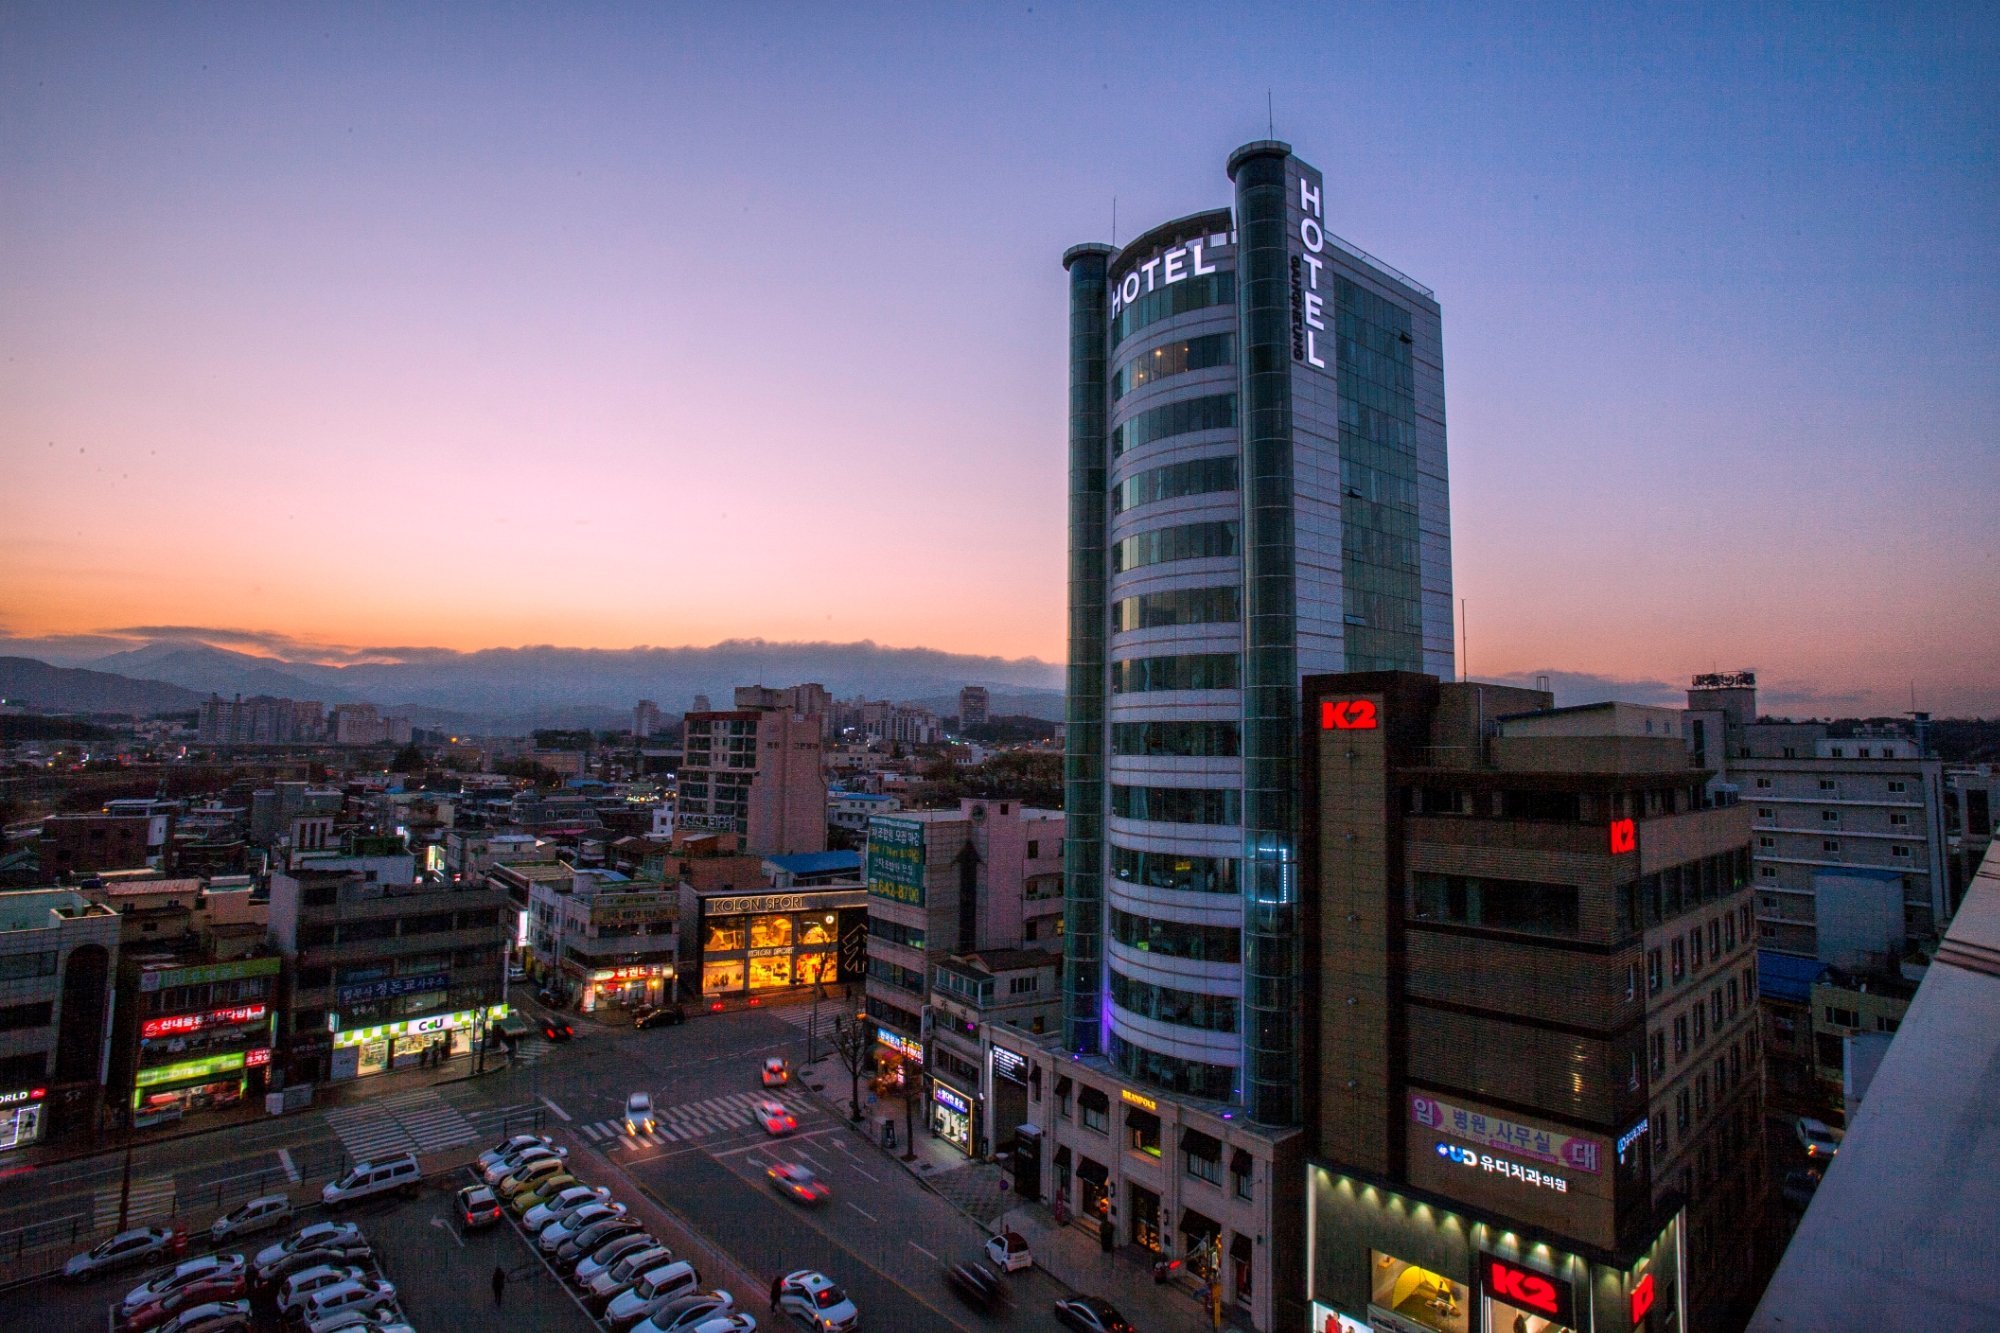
(1257, 494)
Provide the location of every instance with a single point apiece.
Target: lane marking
(856, 1167)
(291, 1168)
(564, 1115)
(859, 1209)
(449, 1229)
(921, 1250)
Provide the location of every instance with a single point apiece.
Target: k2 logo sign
(1624, 836)
(1528, 1290)
(1642, 1298)
(1346, 715)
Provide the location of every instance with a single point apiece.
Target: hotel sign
(1566, 1150)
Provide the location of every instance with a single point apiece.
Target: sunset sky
(664, 324)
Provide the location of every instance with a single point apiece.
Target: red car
(156, 1312)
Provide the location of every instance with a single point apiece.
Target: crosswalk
(528, 1051)
(693, 1120)
(417, 1121)
(150, 1198)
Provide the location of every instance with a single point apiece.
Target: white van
(371, 1178)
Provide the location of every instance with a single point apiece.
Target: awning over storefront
(1142, 1120)
(1062, 1157)
(1197, 1144)
(1093, 1099)
(1094, 1172)
(1239, 1162)
(1239, 1248)
(1195, 1224)
(1063, 1086)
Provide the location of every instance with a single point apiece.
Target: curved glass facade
(1288, 395)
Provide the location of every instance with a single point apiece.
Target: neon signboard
(1642, 1297)
(1527, 1175)
(22, 1095)
(1527, 1289)
(1346, 715)
(179, 1025)
(1624, 836)
(946, 1097)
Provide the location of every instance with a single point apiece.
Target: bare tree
(855, 1047)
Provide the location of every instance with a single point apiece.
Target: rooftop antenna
(1114, 219)
(1270, 117)
(1464, 649)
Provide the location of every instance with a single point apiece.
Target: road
(883, 1235)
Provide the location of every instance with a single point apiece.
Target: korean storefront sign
(179, 1025)
(392, 987)
(1484, 1161)
(417, 1027)
(1577, 1154)
(896, 860)
(902, 1045)
(1008, 1065)
(187, 1069)
(167, 978)
(945, 1097)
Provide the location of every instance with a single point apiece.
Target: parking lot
(443, 1279)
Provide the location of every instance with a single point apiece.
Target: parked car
(121, 1251)
(379, 1319)
(361, 1294)
(300, 1286)
(639, 1113)
(777, 1071)
(651, 1291)
(274, 1275)
(1818, 1138)
(180, 1275)
(509, 1148)
(977, 1285)
(1800, 1184)
(775, 1119)
(318, 1236)
(816, 1301)
(527, 1176)
(607, 1283)
(798, 1181)
(205, 1291)
(541, 1192)
(608, 1254)
(671, 1015)
(506, 1164)
(552, 1236)
(368, 1179)
(215, 1317)
(562, 1205)
(572, 1251)
(259, 1214)
(1009, 1252)
(477, 1208)
(684, 1314)
(1091, 1314)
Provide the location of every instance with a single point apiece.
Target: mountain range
(510, 690)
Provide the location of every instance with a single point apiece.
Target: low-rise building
(58, 958)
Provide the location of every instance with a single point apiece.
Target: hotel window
(1694, 949)
(1063, 1087)
(1654, 980)
(1732, 997)
(1683, 1111)
(1680, 1036)
(1715, 938)
(1193, 671)
(1680, 960)
(1240, 1173)
(1631, 980)
(1201, 1156)
(1701, 1095)
(1729, 933)
(1715, 1008)
(1096, 1108)
(1187, 541)
(1700, 1023)
(1659, 1052)
(1214, 349)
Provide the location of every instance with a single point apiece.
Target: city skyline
(292, 294)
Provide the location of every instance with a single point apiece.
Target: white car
(685, 1314)
(552, 1236)
(300, 1287)
(362, 1294)
(1818, 1138)
(318, 1236)
(639, 1114)
(1009, 1252)
(654, 1289)
(777, 1071)
(379, 1319)
(520, 1143)
(565, 1203)
(776, 1120)
(179, 1276)
(607, 1283)
(610, 1253)
(260, 1214)
(124, 1249)
(816, 1301)
(508, 1166)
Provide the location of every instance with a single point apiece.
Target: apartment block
(755, 771)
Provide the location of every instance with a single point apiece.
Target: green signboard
(167, 978)
(214, 1064)
(896, 859)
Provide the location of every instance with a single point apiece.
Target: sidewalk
(984, 1192)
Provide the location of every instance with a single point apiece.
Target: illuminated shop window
(1419, 1295)
(771, 973)
(721, 978)
(770, 932)
(725, 935)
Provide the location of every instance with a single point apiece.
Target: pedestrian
(499, 1282)
(777, 1286)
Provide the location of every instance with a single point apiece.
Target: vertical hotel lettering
(1308, 306)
